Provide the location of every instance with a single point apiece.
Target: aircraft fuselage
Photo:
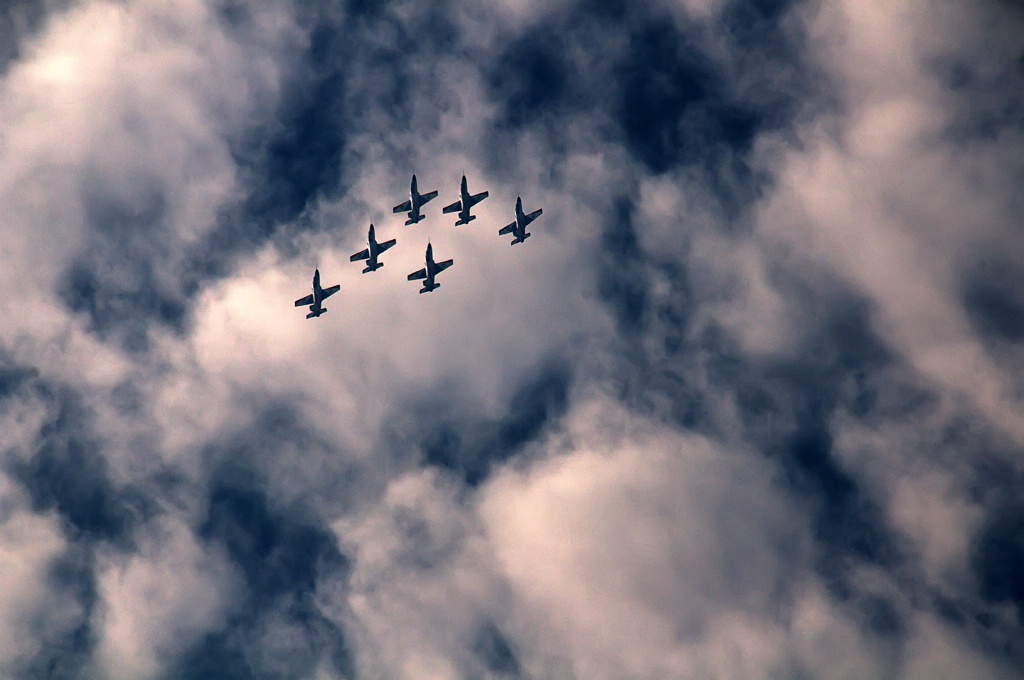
(518, 227)
(415, 202)
(316, 298)
(429, 271)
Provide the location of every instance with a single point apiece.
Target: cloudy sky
(749, 404)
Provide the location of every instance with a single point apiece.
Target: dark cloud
(276, 553)
(643, 71)
(13, 377)
(68, 473)
(670, 106)
(117, 281)
(992, 300)
(277, 630)
(621, 280)
(19, 20)
(998, 558)
(848, 524)
(530, 77)
(471, 446)
(288, 643)
(64, 655)
(295, 156)
(495, 652)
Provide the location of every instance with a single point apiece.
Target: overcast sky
(749, 404)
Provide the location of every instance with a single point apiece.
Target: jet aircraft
(430, 271)
(463, 205)
(371, 254)
(316, 298)
(518, 228)
(415, 202)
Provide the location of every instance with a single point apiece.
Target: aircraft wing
(473, 200)
(454, 207)
(381, 247)
(403, 207)
(363, 254)
(302, 302)
(426, 197)
(421, 274)
(507, 229)
(441, 266)
(328, 292)
(532, 216)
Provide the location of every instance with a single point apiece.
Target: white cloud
(32, 614)
(889, 196)
(637, 551)
(159, 600)
(624, 549)
(122, 102)
(920, 481)
(882, 195)
(421, 582)
(935, 652)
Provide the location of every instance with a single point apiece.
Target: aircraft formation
(413, 207)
